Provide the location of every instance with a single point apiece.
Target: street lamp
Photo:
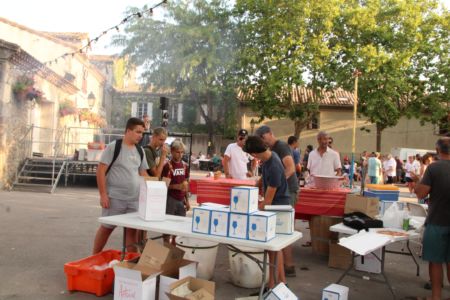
(91, 100)
(252, 125)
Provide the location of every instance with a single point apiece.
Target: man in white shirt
(324, 161)
(235, 160)
(412, 166)
(390, 169)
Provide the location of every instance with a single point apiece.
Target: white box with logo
(285, 218)
(219, 221)
(335, 292)
(281, 292)
(262, 226)
(201, 219)
(237, 226)
(152, 199)
(244, 199)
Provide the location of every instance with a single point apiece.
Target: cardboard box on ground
(340, 257)
(191, 288)
(321, 234)
(358, 203)
(153, 198)
(335, 292)
(138, 281)
(281, 291)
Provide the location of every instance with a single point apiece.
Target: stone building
(336, 117)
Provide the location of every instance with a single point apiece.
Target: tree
(388, 41)
(282, 46)
(189, 52)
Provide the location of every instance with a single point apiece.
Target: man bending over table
(436, 238)
(118, 182)
(275, 192)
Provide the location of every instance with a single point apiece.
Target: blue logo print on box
(200, 220)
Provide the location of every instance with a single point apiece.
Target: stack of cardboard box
(156, 273)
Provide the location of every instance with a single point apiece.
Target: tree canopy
(189, 52)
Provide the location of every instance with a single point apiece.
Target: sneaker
(290, 271)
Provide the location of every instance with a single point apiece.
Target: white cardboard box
(94, 154)
(370, 263)
(281, 292)
(201, 219)
(237, 227)
(152, 199)
(180, 270)
(262, 226)
(138, 281)
(285, 218)
(219, 222)
(335, 292)
(244, 199)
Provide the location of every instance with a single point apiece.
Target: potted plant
(67, 107)
(22, 87)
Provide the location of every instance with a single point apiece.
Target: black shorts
(408, 179)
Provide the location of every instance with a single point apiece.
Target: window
(314, 123)
(139, 109)
(180, 113)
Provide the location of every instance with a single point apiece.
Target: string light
(105, 32)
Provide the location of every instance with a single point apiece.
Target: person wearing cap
(276, 192)
(284, 152)
(235, 160)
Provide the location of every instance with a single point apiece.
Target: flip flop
(307, 244)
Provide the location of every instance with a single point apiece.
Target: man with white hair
(324, 161)
(390, 168)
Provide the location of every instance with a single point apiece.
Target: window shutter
(150, 110)
(133, 109)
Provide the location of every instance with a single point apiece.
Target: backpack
(117, 148)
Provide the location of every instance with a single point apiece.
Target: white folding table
(343, 229)
(181, 226)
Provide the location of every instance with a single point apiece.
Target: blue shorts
(436, 244)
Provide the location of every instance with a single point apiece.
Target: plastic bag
(393, 217)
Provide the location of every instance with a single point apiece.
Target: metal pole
(356, 73)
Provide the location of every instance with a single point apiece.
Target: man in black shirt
(283, 150)
(436, 238)
(275, 191)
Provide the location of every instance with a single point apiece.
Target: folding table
(343, 229)
(181, 226)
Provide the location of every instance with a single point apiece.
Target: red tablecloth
(311, 202)
(217, 191)
(314, 202)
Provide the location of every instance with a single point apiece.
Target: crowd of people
(282, 165)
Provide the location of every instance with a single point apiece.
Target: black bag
(359, 221)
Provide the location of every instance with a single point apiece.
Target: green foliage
(22, 84)
(189, 53)
(401, 47)
(283, 44)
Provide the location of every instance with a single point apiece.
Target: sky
(92, 16)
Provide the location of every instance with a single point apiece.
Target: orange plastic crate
(81, 275)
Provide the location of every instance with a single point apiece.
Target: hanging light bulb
(117, 28)
(139, 14)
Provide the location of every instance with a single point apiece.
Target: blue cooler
(383, 195)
